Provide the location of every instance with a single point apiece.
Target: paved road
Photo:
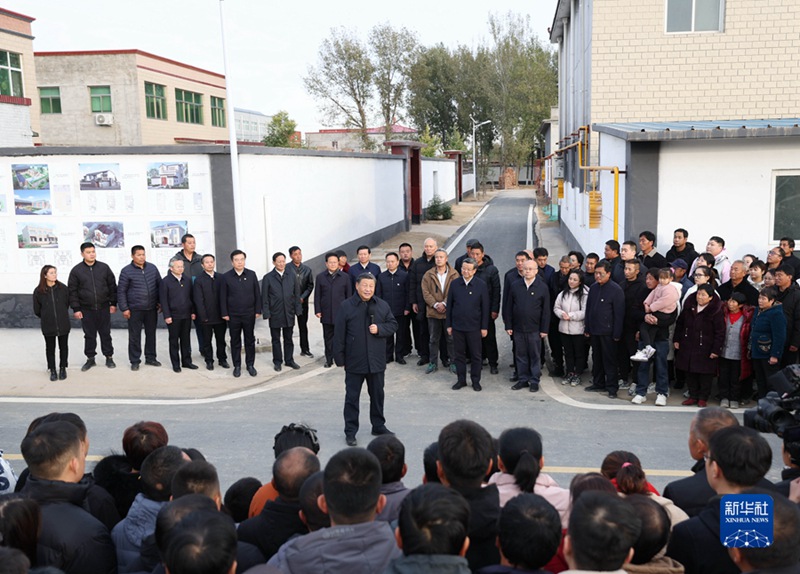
(235, 432)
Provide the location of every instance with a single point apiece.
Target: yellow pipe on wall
(590, 168)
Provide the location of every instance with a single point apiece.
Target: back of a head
(13, 561)
(196, 477)
(465, 451)
(433, 519)
(173, 512)
(50, 447)
(529, 531)
(352, 486)
(295, 434)
(741, 453)
(157, 471)
(71, 418)
(239, 496)
(20, 521)
(587, 482)
(626, 468)
(602, 531)
(291, 469)
(709, 420)
(141, 439)
(309, 495)
(656, 526)
(520, 450)
(391, 453)
(203, 543)
(429, 458)
(784, 551)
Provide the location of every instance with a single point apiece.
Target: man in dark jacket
(412, 337)
(526, 315)
(178, 309)
(364, 264)
(612, 255)
(418, 270)
(605, 316)
(206, 304)
(789, 298)
(467, 322)
(488, 273)
(333, 288)
(240, 305)
(556, 285)
(280, 294)
(93, 297)
(648, 255)
(738, 283)
(139, 296)
(305, 281)
(681, 249)
(392, 287)
(510, 277)
(71, 539)
(359, 345)
(193, 267)
(636, 292)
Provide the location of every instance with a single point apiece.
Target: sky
(270, 44)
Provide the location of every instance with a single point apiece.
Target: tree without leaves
(280, 131)
(392, 52)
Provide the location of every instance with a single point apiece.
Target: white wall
(438, 175)
(316, 202)
(468, 181)
(722, 188)
(16, 122)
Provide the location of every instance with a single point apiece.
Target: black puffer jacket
(52, 307)
(92, 287)
(354, 347)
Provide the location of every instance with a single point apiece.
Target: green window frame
(11, 74)
(50, 100)
(188, 106)
(155, 101)
(217, 112)
(101, 99)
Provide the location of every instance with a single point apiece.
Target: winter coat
(790, 299)
(205, 292)
(699, 335)
(416, 273)
(364, 548)
(139, 287)
(193, 267)
(489, 274)
(527, 308)
(357, 269)
(636, 292)
(332, 290)
(660, 564)
(768, 333)
(429, 564)
(305, 279)
(652, 261)
(746, 365)
(277, 523)
(395, 493)
(52, 307)
(695, 543)
(467, 308)
(484, 512)
(460, 261)
(354, 347)
(722, 265)
(689, 254)
(663, 299)
(176, 296)
(115, 475)
(239, 294)
(432, 291)
(545, 487)
(92, 287)
(605, 310)
(568, 302)
(281, 299)
(744, 287)
(129, 534)
(393, 288)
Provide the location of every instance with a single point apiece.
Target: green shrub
(438, 209)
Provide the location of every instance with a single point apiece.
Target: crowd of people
(483, 505)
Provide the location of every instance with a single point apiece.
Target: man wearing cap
(680, 269)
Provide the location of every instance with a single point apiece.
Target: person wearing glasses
(702, 275)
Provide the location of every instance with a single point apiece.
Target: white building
(251, 126)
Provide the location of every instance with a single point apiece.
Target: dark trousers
(729, 372)
(148, 320)
(467, 343)
(50, 350)
(424, 340)
(97, 322)
(554, 339)
(489, 345)
(789, 357)
(659, 362)
(352, 395)
(627, 346)
(437, 330)
(327, 336)
(201, 336)
(604, 362)
(216, 333)
(699, 385)
(243, 326)
(574, 353)
(180, 342)
(397, 344)
(527, 347)
(763, 371)
(288, 344)
(302, 327)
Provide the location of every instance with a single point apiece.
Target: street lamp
(475, 126)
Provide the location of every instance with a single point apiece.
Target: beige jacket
(432, 290)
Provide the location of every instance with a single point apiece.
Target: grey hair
(440, 250)
(173, 260)
(471, 261)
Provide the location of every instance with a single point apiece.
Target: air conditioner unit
(103, 119)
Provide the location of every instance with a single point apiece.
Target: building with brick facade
(19, 107)
(697, 103)
(348, 139)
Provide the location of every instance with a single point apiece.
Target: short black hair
(185, 237)
(291, 469)
(789, 241)
(602, 528)
(366, 276)
(136, 248)
(682, 230)
(429, 457)
(649, 235)
(352, 485)
(634, 262)
(578, 255)
(392, 253)
(465, 451)
(741, 453)
(278, 254)
(769, 292)
(295, 434)
(524, 254)
(86, 245)
(391, 453)
(50, 447)
(613, 245)
(196, 477)
(309, 494)
(330, 254)
(236, 252)
(204, 542)
(705, 288)
(239, 496)
(404, 244)
(158, 470)
(540, 252)
(587, 482)
(785, 548)
(656, 526)
(20, 523)
(360, 247)
(203, 258)
(292, 249)
(529, 531)
(520, 449)
(593, 255)
(603, 264)
(477, 245)
(717, 239)
(340, 253)
(170, 515)
(71, 418)
(433, 519)
(787, 270)
(630, 244)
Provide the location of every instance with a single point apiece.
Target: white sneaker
(651, 388)
(649, 351)
(632, 389)
(661, 400)
(621, 383)
(575, 382)
(725, 403)
(638, 399)
(640, 356)
(734, 404)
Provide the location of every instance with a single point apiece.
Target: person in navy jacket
(138, 297)
(333, 288)
(392, 287)
(526, 314)
(240, 304)
(364, 265)
(605, 316)
(178, 309)
(280, 293)
(206, 304)
(467, 321)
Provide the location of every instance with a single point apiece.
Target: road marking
(529, 233)
(467, 228)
